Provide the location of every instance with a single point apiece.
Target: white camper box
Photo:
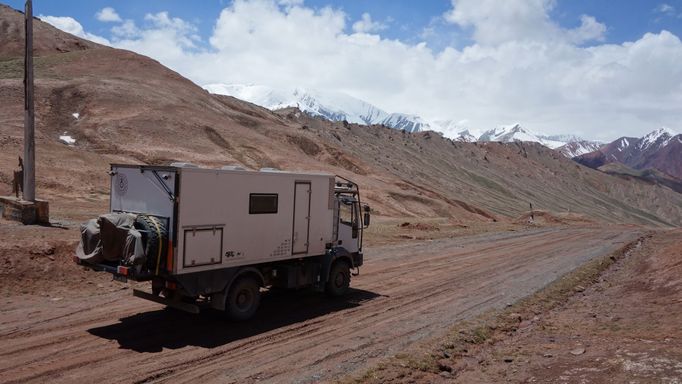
(280, 228)
(232, 218)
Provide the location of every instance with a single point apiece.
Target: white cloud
(165, 38)
(70, 25)
(126, 29)
(367, 25)
(163, 20)
(290, 3)
(666, 9)
(589, 30)
(108, 15)
(527, 69)
(494, 22)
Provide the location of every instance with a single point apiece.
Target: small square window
(260, 203)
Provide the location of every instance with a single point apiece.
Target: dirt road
(406, 293)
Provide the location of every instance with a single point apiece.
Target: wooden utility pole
(29, 110)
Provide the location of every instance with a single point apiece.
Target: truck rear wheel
(339, 279)
(243, 299)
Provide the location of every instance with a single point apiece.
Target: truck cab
(351, 216)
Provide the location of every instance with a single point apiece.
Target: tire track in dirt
(409, 304)
(240, 346)
(407, 293)
(403, 302)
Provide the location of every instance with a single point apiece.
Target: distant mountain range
(333, 106)
(569, 145)
(336, 106)
(660, 149)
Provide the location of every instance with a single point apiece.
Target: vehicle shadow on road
(166, 328)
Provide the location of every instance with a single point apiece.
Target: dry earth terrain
(617, 326)
(71, 331)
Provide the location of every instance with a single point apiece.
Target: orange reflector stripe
(121, 270)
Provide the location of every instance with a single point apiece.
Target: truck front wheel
(339, 279)
(243, 299)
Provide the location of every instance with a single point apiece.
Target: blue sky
(597, 69)
(627, 20)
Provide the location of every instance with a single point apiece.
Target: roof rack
(341, 184)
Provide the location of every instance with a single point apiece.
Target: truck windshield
(346, 212)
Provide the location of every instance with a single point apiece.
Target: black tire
(339, 279)
(151, 227)
(243, 299)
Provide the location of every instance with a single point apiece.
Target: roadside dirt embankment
(614, 320)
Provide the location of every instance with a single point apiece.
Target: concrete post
(29, 111)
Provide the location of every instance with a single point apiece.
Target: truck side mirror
(365, 217)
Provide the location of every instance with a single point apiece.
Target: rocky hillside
(121, 107)
(650, 175)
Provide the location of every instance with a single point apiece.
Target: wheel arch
(337, 255)
(218, 298)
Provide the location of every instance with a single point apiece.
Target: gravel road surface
(406, 293)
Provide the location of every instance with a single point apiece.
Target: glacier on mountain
(410, 123)
(515, 132)
(334, 106)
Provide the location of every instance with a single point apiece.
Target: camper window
(260, 203)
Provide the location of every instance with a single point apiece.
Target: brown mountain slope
(132, 109)
(650, 175)
(51, 39)
(501, 178)
(660, 149)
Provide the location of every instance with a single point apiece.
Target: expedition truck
(215, 237)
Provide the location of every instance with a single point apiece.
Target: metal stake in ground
(29, 111)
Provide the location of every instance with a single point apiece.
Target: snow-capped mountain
(337, 106)
(508, 134)
(334, 106)
(410, 123)
(661, 149)
(656, 139)
(569, 145)
(466, 136)
(579, 147)
(457, 130)
(515, 132)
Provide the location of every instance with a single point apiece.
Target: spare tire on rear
(154, 241)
